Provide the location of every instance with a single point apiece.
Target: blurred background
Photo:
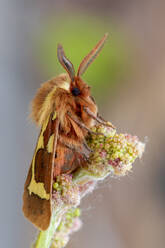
(128, 84)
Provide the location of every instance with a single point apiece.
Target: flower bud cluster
(113, 153)
(65, 191)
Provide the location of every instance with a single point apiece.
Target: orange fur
(50, 97)
(42, 93)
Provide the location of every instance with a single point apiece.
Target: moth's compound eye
(75, 91)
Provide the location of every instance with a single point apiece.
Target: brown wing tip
(36, 210)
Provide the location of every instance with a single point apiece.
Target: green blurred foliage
(78, 35)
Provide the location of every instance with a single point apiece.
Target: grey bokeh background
(121, 213)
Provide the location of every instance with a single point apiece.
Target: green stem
(44, 238)
(83, 175)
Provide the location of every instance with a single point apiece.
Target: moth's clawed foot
(85, 158)
(88, 148)
(104, 122)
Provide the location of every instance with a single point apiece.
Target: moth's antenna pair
(68, 66)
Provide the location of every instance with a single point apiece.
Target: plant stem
(45, 237)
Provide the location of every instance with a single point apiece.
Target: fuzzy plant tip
(113, 154)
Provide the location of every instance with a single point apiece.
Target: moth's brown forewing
(38, 185)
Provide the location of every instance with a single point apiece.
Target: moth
(65, 110)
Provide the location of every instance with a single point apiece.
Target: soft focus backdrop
(128, 80)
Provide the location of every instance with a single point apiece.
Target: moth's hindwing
(38, 185)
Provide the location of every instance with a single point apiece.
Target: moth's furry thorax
(55, 95)
(42, 104)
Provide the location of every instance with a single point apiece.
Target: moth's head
(77, 86)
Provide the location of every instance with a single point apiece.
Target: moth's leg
(71, 166)
(84, 152)
(87, 147)
(100, 117)
(82, 125)
(97, 118)
(106, 122)
(91, 114)
(76, 162)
